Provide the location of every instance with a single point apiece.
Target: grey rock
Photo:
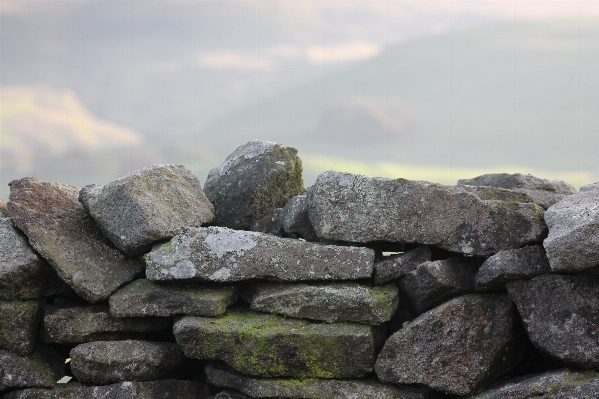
(573, 242)
(19, 321)
(146, 298)
(256, 178)
(3, 210)
(355, 208)
(105, 362)
(590, 187)
(149, 205)
(269, 224)
(273, 346)
(230, 395)
(433, 283)
(494, 193)
(74, 325)
(60, 230)
(559, 384)
(224, 255)
(310, 388)
(512, 264)
(334, 302)
(295, 218)
(398, 266)
(561, 315)
(40, 368)
(543, 191)
(457, 348)
(23, 273)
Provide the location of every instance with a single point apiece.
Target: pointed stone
(295, 218)
(269, 224)
(40, 368)
(19, 321)
(398, 266)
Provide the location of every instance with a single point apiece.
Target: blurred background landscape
(433, 90)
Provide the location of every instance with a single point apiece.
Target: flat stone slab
(105, 362)
(149, 205)
(355, 208)
(334, 302)
(457, 348)
(311, 388)
(256, 178)
(143, 298)
(224, 255)
(561, 315)
(80, 324)
(512, 264)
(273, 346)
(19, 321)
(62, 232)
(41, 368)
(397, 266)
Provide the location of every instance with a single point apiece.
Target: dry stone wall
(356, 287)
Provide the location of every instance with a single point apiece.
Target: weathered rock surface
(223, 255)
(18, 325)
(149, 205)
(458, 347)
(398, 266)
(146, 298)
(543, 191)
(60, 230)
(573, 241)
(80, 324)
(105, 362)
(334, 302)
(561, 315)
(295, 218)
(230, 395)
(269, 224)
(40, 368)
(311, 388)
(433, 283)
(512, 264)
(3, 210)
(273, 346)
(23, 274)
(256, 178)
(590, 187)
(355, 208)
(559, 384)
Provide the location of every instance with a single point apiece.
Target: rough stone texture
(105, 362)
(433, 283)
(269, 224)
(80, 324)
(60, 230)
(295, 218)
(40, 368)
(3, 210)
(23, 274)
(256, 178)
(512, 264)
(590, 187)
(355, 208)
(311, 388)
(334, 302)
(230, 395)
(457, 348)
(544, 192)
(559, 384)
(273, 346)
(561, 315)
(223, 255)
(147, 298)
(18, 325)
(573, 241)
(398, 266)
(149, 205)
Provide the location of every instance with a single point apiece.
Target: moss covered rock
(41, 368)
(19, 321)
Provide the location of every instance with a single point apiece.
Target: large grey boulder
(573, 242)
(355, 208)
(41, 368)
(149, 205)
(398, 266)
(543, 191)
(62, 232)
(19, 321)
(105, 362)
(512, 264)
(457, 348)
(295, 218)
(334, 302)
(561, 315)
(256, 178)
(273, 346)
(224, 255)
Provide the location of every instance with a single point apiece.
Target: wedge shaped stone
(41, 368)
(334, 302)
(355, 208)
(146, 298)
(256, 178)
(295, 218)
(149, 205)
(269, 224)
(398, 266)
(271, 346)
(19, 321)
(223, 255)
(61, 231)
